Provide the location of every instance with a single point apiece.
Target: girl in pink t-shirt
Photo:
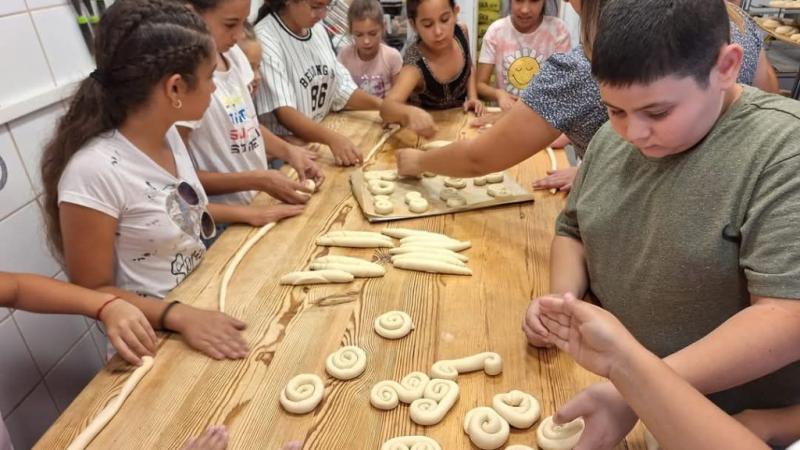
(372, 64)
(514, 47)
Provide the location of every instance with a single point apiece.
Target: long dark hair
(269, 6)
(139, 43)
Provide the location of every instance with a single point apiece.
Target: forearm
(40, 294)
(303, 127)
(151, 308)
(487, 92)
(661, 399)
(223, 213)
(276, 147)
(217, 183)
(472, 86)
(568, 267)
(393, 111)
(360, 100)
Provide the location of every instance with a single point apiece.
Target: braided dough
(357, 270)
(380, 187)
(559, 437)
(302, 393)
(450, 369)
(400, 233)
(106, 414)
(429, 256)
(439, 396)
(457, 183)
(425, 241)
(421, 264)
(411, 443)
(387, 394)
(393, 325)
(346, 363)
(521, 410)
(427, 250)
(486, 429)
(357, 239)
(383, 207)
(498, 191)
(316, 277)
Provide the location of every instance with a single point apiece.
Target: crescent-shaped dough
(430, 266)
(449, 369)
(316, 277)
(346, 363)
(411, 443)
(393, 325)
(429, 256)
(438, 398)
(302, 393)
(357, 270)
(400, 233)
(485, 428)
(520, 409)
(387, 394)
(423, 249)
(559, 437)
(106, 414)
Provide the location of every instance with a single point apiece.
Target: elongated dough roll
(316, 277)
(450, 369)
(400, 233)
(357, 270)
(355, 241)
(431, 266)
(431, 250)
(344, 259)
(450, 244)
(485, 428)
(302, 393)
(346, 363)
(435, 144)
(355, 233)
(520, 409)
(393, 325)
(411, 443)
(438, 398)
(387, 394)
(431, 257)
(550, 436)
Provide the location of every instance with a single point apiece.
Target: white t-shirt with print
(228, 139)
(158, 240)
(300, 72)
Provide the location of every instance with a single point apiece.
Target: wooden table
(292, 330)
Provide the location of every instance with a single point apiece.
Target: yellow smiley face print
(520, 68)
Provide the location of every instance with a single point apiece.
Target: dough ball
(384, 207)
(496, 177)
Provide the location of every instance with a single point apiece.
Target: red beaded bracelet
(102, 307)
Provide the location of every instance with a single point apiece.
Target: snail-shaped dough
(457, 183)
(521, 410)
(388, 394)
(449, 369)
(456, 202)
(559, 437)
(393, 325)
(438, 398)
(380, 187)
(498, 191)
(302, 393)
(448, 192)
(418, 205)
(411, 443)
(346, 363)
(486, 429)
(383, 207)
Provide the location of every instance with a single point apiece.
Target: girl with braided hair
(125, 210)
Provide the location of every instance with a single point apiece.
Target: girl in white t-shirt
(228, 143)
(123, 204)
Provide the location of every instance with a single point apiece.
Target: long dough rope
(101, 420)
(553, 164)
(386, 135)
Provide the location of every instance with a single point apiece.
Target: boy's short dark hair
(641, 41)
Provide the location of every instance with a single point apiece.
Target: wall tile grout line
(41, 46)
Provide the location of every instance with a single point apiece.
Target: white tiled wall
(45, 360)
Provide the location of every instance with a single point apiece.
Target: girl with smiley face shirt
(515, 47)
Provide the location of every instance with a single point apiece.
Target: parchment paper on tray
(430, 188)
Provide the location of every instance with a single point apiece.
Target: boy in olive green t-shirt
(683, 220)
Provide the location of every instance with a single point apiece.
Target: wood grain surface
(292, 329)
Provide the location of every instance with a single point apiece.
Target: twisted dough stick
(521, 410)
(302, 393)
(393, 325)
(386, 135)
(449, 369)
(388, 394)
(486, 429)
(438, 398)
(106, 414)
(553, 164)
(411, 443)
(346, 363)
(550, 436)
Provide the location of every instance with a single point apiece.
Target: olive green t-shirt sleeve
(770, 247)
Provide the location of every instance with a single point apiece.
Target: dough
(493, 109)
(438, 398)
(316, 277)
(449, 369)
(558, 437)
(430, 256)
(389, 176)
(479, 181)
(435, 144)
(418, 205)
(485, 428)
(428, 174)
(786, 29)
(310, 185)
(521, 410)
(413, 195)
(424, 241)
(380, 187)
(411, 443)
(386, 135)
(357, 270)
(498, 191)
(346, 363)
(383, 207)
(106, 414)
(431, 266)
(770, 24)
(372, 240)
(400, 233)
(405, 249)
(448, 192)
(496, 177)
(456, 202)
(302, 393)
(344, 259)
(370, 176)
(387, 394)
(357, 233)
(380, 197)
(237, 258)
(457, 183)
(393, 325)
